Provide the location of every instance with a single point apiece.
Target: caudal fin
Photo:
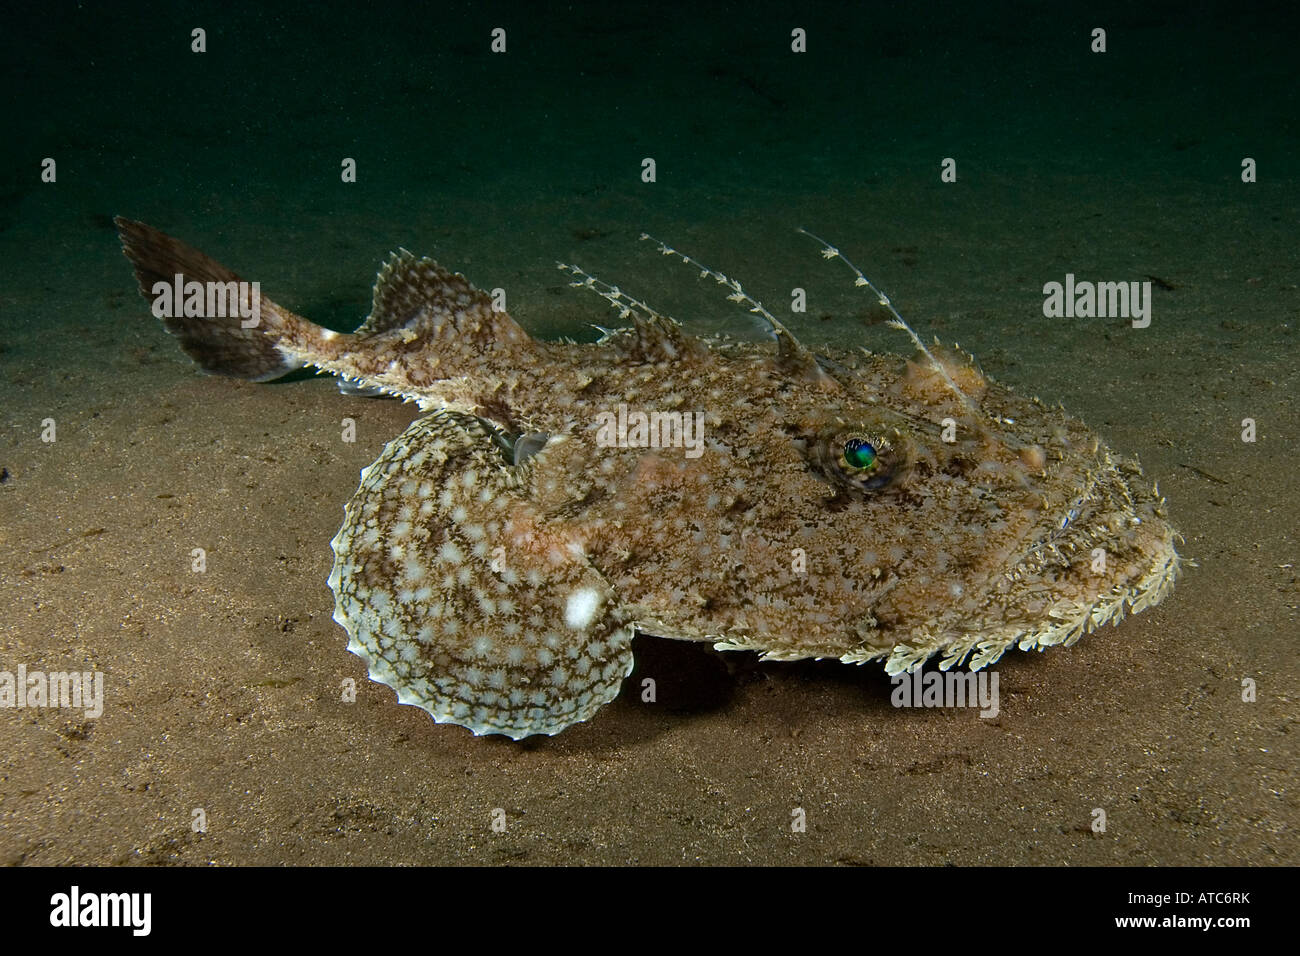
(220, 344)
(427, 325)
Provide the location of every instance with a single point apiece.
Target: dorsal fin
(794, 358)
(656, 337)
(791, 355)
(897, 322)
(660, 338)
(420, 295)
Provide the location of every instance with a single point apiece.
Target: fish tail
(223, 323)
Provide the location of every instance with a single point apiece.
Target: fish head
(884, 510)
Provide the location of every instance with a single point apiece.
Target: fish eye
(860, 454)
(861, 461)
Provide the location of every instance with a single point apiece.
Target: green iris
(860, 453)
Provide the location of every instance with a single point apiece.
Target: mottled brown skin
(502, 595)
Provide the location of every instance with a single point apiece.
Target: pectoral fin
(461, 596)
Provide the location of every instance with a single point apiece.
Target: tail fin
(427, 325)
(219, 344)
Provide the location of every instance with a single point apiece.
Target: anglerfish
(555, 499)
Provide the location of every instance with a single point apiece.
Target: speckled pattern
(526, 642)
(499, 555)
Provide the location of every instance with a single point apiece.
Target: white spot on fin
(581, 608)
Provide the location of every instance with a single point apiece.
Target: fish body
(556, 499)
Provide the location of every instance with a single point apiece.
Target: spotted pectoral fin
(463, 598)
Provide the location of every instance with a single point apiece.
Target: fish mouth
(1110, 553)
